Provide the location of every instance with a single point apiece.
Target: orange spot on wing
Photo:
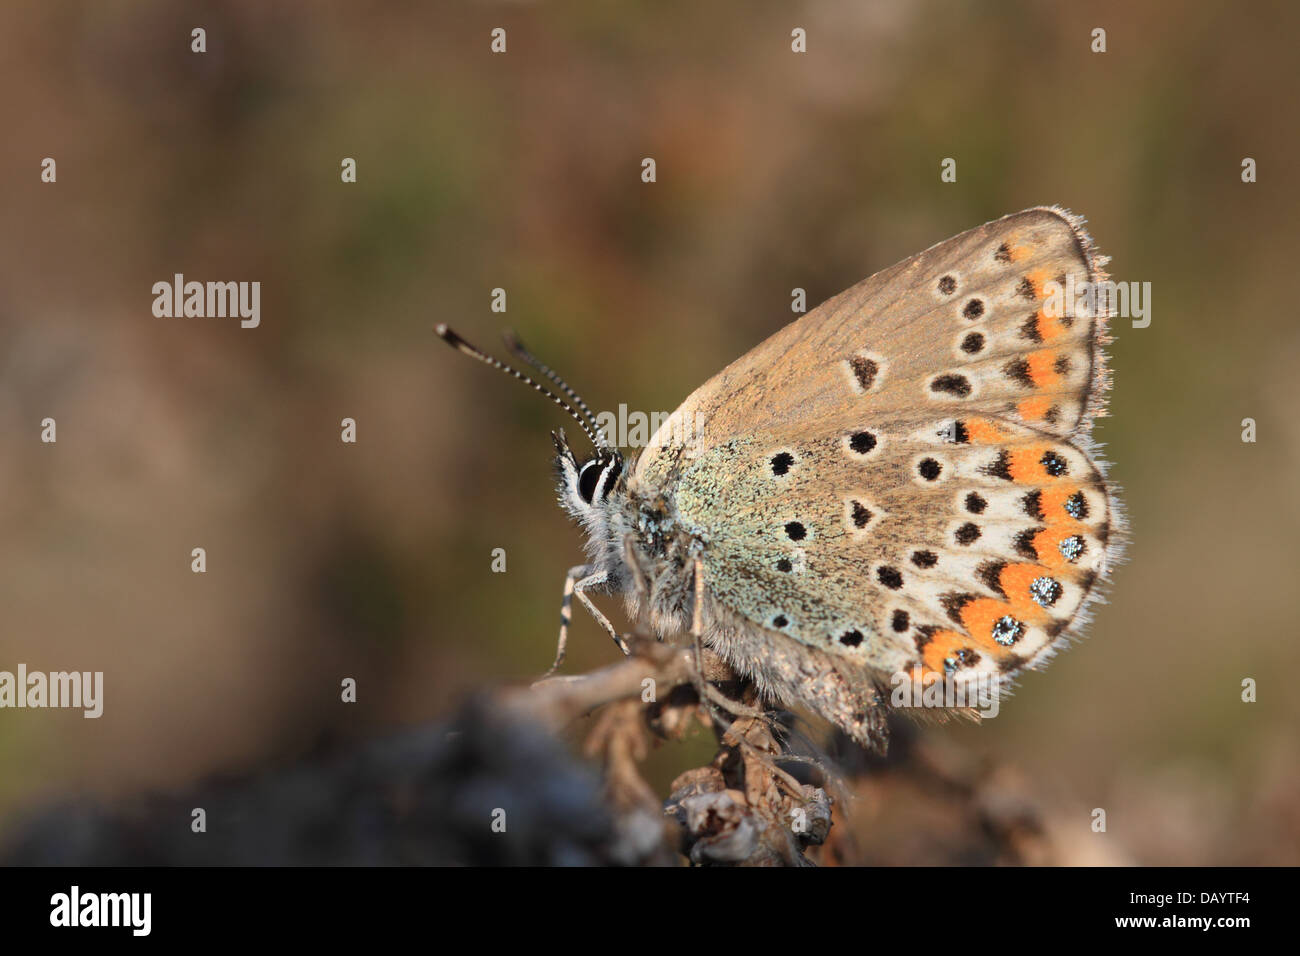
(1037, 279)
(1047, 544)
(1052, 504)
(1025, 465)
(1041, 368)
(981, 431)
(1049, 326)
(942, 645)
(1018, 252)
(1032, 409)
(978, 618)
(1015, 580)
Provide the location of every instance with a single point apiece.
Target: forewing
(970, 324)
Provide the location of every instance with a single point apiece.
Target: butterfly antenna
(517, 347)
(456, 342)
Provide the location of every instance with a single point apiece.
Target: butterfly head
(585, 486)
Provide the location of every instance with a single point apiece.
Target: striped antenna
(456, 342)
(517, 347)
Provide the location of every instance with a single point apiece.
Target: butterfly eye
(588, 479)
(592, 471)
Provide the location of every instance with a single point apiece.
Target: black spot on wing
(781, 463)
(989, 573)
(1076, 506)
(951, 384)
(1024, 543)
(865, 371)
(1033, 505)
(862, 442)
(1018, 371)
(1000, 467)
(889, 577)
(1054, 464)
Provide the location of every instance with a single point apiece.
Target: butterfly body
(900, 482)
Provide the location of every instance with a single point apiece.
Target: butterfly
(901, 482)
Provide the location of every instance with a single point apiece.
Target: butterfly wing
(971, 323)
(972, 553)
(904, 476)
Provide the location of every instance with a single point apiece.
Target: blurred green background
(522, 171)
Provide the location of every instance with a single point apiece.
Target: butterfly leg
(697, 606)
(577, 581)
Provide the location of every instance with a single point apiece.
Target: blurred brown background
(522, 171)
